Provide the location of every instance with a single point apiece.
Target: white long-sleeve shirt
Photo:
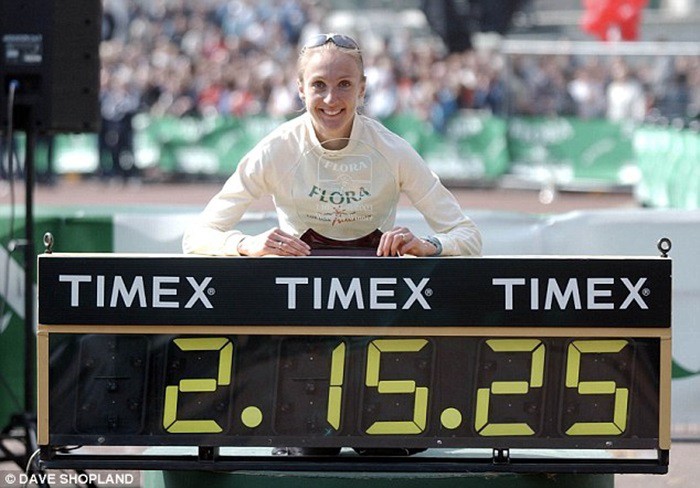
(343, 194)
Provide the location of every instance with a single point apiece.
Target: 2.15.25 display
(362, 391)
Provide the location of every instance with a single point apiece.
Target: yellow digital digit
(198, 385)
(335, 392)
(483, 395)
(573, 380)
(372, 380)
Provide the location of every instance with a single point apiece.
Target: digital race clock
(454, 355)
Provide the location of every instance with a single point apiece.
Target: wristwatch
(435, 242)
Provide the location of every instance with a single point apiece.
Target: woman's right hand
(274, 242)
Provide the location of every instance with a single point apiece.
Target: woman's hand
(274, 242)
(400, 240)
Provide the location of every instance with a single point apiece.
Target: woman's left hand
(400, 240)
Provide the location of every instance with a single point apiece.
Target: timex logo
(359, 293)
(153, 291)
(547, 294)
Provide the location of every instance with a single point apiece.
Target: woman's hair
(308, 51)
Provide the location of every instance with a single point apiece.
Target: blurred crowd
(652, 89)
(202, 58)
(237, 58)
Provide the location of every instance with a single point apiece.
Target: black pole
(29, 258)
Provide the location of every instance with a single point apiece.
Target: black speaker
(456, 20)
(49, 49)
(452, 20)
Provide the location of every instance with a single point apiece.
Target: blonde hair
(306, 53)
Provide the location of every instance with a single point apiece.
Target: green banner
(668, 163)
(209, 146)
(568, 149)
(71, 153)
(475, 147)
(72, 233)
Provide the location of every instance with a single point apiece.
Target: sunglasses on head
(339, 40)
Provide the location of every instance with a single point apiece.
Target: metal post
(29, 258)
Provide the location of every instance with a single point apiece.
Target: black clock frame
(572, 297)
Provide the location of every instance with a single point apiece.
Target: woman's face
(331, 86)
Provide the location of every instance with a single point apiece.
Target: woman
(331, 84)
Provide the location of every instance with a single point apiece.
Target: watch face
(344, 194)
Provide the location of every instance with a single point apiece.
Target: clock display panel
(359, 391)
(489, 353)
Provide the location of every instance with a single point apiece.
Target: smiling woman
(319, 166)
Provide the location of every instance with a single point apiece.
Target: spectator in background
(626, 100)
(674, 101)
(587, 90)
(489, 93)
(282, 100)
(382, 89)
(694, 90)
(520, 82)
(119, 103)
(444, 96)
(551, 89)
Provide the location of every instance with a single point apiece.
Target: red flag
(610, 19)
